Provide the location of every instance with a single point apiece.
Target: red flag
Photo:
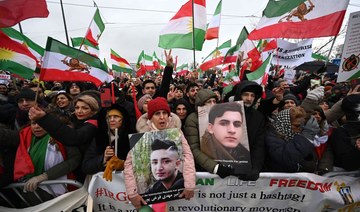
(14, 11)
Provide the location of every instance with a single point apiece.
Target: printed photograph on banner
(157, 159)
(223, 135)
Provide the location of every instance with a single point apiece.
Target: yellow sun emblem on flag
(6, 54)
(190, 24)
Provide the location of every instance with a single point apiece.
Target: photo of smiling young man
(224, 137)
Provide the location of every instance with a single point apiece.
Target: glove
(224, 171)
(253, 175)
(32, 184)
(113, 164)
(316, 94)
(311, 128)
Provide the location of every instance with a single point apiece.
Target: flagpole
(327, 59)
(193, 34)
(20, 28)
(63, 15)
(82, 42)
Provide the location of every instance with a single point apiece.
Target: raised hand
(169, 59)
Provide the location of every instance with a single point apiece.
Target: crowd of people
(61, 130)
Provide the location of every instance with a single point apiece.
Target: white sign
(292, 54)
(350, 59)
(271, 192)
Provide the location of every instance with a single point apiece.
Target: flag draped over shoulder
(97, 27)
(86, 46)
(64, 63)
(17, 36)
(16, 57)
(212, 31)
(120, 64)
(178, 33)
(217, 56)
(14, 11)
(300, 19)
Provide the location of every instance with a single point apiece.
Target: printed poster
(157, 159)
(223, 135)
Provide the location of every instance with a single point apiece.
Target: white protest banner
(5, 76)
(349, 66)
(292, 54)
(271, 192)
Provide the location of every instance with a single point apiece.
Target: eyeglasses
(147, 88)
(114, 117)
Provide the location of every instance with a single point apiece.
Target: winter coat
(191, 130)
(255, 123)
(94, 155)
(189, 173)
(288, 156)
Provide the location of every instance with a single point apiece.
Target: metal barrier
(18, 187)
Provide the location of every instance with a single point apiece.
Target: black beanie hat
(26, 93)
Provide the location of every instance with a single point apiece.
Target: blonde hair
(89, 100)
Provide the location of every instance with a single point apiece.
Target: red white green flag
(178, 33)
(300, 19)
(64, 63)
(218, 56)
(96, 28)
(16, 57)
(261, 72)
(86, 46)
(212, 31)
(17, 36)
(15, 11)
(120, 64)
(157, 63)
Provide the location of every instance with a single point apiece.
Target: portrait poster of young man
(158, 163)
(223, 135)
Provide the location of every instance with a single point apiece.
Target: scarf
(282, 125)
(37, 153)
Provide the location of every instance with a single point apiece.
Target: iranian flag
(283, 19)
(15, 11)
(231, 78)
(178, 33)
(95, 30)
(157, 63)
(184, 66)
(17, 36)
(86, 46)
(64, 63)
(261, 73)
(16, 57)
(218, 56)
(212, 31)
(120, 64)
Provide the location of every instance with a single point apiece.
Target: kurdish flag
(119, 64)
(212, 31)
(218, 56)
(86, 46)
(17, 36)
(64, 63)
(300, 19)
(16, 57)
(97, 27)
(178, 33)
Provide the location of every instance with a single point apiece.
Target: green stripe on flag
(183, 41)
(16, 68)
(276, 8)
(260, 71)
(98, 21)
(76, 42)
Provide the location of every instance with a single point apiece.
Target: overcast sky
(134, 25)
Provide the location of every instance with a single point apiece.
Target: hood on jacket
(143, 124)
(202, 96)
(248, 86)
